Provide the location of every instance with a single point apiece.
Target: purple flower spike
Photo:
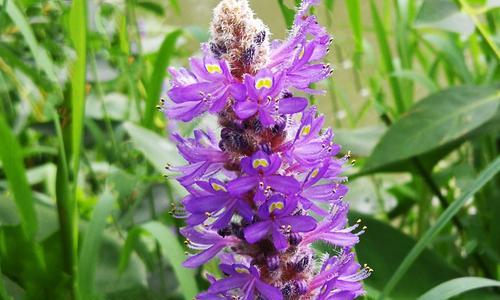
(271, 186)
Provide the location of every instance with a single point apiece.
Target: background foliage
(84, 209)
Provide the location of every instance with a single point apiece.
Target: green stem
(482, 30)
(66, 212)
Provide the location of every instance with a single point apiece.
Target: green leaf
(486, 175)
(156, 81)
(359, 141)
(458, 286)
(78, 35)
(382, 247)
(13, 166)
(3, 291)
(171, 249)
(41, 57)
(434, 121)
(91, 245)
(158, 150)
(444, 15)
(153, 7)
(175, 5)
(109, 281)
(288, 14)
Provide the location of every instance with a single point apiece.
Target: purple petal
(245, 109)
(257, 231)
(299, 223)
(199, 259)
(238, 91)
(292, 105)
(279, 239)
(343, 239)
(241, 185)
(283, 184)
(226, 284)
(269, 292)
(205, 204)
(191, 92)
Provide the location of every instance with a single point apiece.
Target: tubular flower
(270, 185)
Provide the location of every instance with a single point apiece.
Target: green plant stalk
(100, 95)
(486, 175)
(354, 11)
(67, 214)
(387, 58)
(482, 30)
(134, 80)
(403, 46)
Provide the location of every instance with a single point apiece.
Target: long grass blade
(354, 10)
(385, 51)
(458, 286)
(156, 81)
(288, 13)
(483, 178)
(78, 34)
(11, 156)
(42, 59)
(89, 254)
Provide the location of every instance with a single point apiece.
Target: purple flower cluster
(270, 186)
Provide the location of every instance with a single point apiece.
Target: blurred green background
(84, 208)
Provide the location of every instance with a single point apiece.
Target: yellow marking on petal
(301, 54)
(266, 82)
(217, 187)
(260, 162)
(314, 173)
(242, 270)
(276, 205)
(213, 69)
(305, 130)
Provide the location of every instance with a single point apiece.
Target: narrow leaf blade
(91, 244)
(486, 175)
(458, 286)
(11, 156)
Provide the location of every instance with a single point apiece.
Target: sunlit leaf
(445, 15)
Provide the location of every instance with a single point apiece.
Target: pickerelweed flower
(270, 185)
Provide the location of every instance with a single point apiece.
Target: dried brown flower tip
(239, 37)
